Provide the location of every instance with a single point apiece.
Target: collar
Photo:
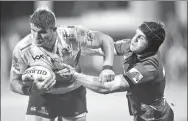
(145, 55)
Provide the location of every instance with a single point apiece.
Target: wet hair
(43, 18)
(155, 34)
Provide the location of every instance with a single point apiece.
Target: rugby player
(50, 45)
(143, 78)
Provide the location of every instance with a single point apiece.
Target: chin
(132, 48)
(38, 45)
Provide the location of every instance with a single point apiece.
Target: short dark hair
(155, 34)
(43, 18)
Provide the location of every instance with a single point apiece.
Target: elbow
(12, 88)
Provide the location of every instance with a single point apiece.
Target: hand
(27, 79)
(106, 75)
(67, 71)
(40, 86)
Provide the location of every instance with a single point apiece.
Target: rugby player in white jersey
(50, 46)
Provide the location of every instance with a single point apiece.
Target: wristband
(107, 67)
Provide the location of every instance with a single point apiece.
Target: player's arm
(95, 52)
(17, 68)
(119, 83)
(120, 49)
(17, 85)
(96, 39)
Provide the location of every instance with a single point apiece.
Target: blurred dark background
(119, 19)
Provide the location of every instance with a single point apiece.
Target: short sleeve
(84, 36)
(18, 63)
(122, 46)
(79, 34)
(140, 74)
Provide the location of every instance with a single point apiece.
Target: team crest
(135, 75)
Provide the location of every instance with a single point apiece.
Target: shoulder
(123, 41)
(24, 43)
(122, 46)
(152, 63)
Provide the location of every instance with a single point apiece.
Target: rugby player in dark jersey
(143, 78)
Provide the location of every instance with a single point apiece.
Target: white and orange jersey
(69, 45)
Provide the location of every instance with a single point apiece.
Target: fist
(106, 75)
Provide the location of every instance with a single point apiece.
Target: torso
(65, 51)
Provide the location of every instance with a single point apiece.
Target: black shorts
(50, 106)
(168, 116)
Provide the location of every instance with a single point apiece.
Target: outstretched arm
(94, 52)
(119, 84)
(121, 47)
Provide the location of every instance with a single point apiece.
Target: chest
(68, 54)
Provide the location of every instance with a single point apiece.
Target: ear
(55, 28)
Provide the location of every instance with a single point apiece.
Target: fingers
(106, 76)
(65, 70)
(66, 66)
(50, 84)
(27, 77)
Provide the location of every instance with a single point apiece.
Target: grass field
(111, 107)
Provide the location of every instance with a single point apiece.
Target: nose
(134, 39)
(37, 35)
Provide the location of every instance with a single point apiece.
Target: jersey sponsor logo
(43, 110)
(135, 75)
(42, 72)
(34, 109)
(15, 63)
(38, 57)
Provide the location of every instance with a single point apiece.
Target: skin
(138, 44)
(46, 38)
(43, 37)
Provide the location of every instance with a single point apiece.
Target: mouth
(133, 44)
(39, 41)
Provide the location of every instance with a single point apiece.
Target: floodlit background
(119, 19)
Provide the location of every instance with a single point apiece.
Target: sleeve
(140, 73)
(122, 46)
(84, 36)
(80, 35)
(18, 63)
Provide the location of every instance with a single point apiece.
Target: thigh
(71, 104)
(83, 118)
(36, 118)
(39, 107)
(170, 116)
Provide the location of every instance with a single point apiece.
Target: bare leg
(37, 118)
(83, 118)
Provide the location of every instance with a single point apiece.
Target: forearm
(108, 49)
(17, 86)
(91, 82)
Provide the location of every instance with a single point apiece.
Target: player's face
(138, 42)
(42, 37)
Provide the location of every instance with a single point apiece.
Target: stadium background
(116, 18)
